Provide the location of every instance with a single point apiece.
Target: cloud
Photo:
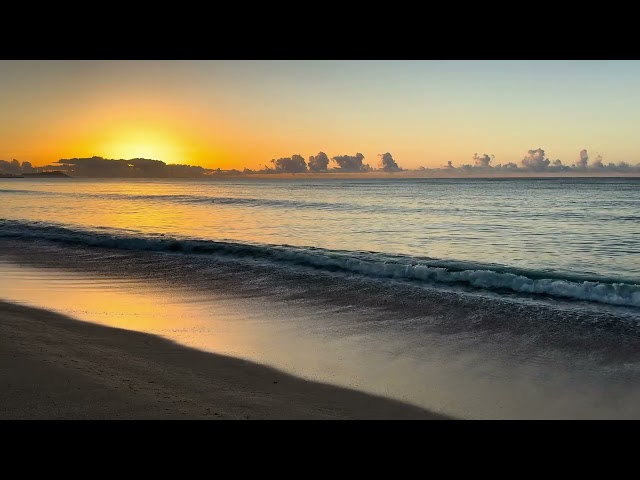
(348, 163)
(483, 161)
(557, 166)
(625, 167)
(293, 164)
(581, 164)
(387, 163)
(14, 167)
(534, 160)
(319, 163)
(507, 166)
(598, 162)
(612, 167)
(479, 163)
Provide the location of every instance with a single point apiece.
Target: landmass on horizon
(535, 162)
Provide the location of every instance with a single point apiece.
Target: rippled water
(585, 226)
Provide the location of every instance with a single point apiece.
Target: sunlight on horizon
(132, 142)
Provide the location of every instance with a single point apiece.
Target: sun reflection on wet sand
(447, 374)
(291, 338)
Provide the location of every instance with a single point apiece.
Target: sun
(142, 144)
(152, 150)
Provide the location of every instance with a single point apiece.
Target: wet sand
(55, 367)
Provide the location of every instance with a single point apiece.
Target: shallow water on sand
(481, 374)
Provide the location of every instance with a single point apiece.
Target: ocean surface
(481, 298)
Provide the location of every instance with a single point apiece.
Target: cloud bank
(320, 163)
(534, 161)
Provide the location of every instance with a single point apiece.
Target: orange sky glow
(236, 114)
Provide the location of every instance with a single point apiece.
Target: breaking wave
(368, 264)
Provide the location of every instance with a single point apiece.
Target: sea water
(483, 298)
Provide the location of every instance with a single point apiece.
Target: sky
(242, 113)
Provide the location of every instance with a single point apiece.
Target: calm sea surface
(578, 226)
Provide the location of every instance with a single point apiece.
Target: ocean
(478, 298)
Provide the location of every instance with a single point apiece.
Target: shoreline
(55, 367)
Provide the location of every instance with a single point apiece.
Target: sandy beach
(55, 367)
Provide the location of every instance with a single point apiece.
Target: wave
(17, 190)
(198, 199)
(244, 201)
(368, 264)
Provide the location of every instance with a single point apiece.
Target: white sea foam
(359, 263)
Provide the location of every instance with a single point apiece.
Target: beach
(55, 367)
